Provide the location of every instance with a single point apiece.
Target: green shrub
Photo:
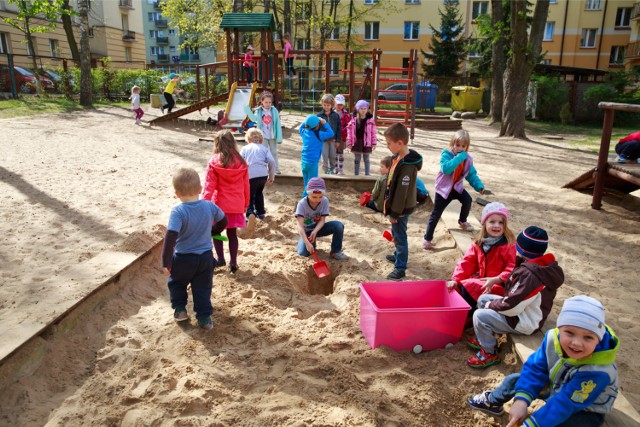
(565, 114)
(552, 95)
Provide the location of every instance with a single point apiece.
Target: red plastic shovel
(320, 267)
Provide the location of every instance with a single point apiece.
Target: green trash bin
(466, 98)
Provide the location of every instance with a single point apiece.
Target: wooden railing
(635, 13)
(633, 50)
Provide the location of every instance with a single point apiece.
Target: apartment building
(163, 42)
(115, 31)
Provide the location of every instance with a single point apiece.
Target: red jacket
(631, 137)
(475, 264)
(227, 187)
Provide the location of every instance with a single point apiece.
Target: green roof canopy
(248, 21)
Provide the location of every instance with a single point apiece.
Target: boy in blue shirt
(574, 370)
(186, 253)
(314, 131)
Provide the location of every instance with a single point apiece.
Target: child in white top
(135, 103)
(262, 168)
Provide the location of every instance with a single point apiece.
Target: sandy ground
(76, 185)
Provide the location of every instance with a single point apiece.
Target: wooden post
(237, 66)
(376, 81)
(603, 155)
(229, 62)
(264, 74)
(327, 72)
(414, 68)
(352, 90)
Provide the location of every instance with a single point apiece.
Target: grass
(30, 106)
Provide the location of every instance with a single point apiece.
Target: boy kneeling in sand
(189, 234)
(574, 370)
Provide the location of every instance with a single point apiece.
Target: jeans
(329, 155)
(272, 145)
(399, 233)
(170, 101)
(487, 322)
(256, 198)
(334, 228)
(507, 390)
(630, 149)
(309, 170)
(356, 163)
(441, 204)
(196, 269)
(249, 72)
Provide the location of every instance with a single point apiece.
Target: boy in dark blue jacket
(574, 370)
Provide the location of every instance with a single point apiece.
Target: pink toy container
(401, 315)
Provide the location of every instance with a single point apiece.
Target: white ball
(417, 349)
(448, 346)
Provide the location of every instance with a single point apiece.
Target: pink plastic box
(403, 314)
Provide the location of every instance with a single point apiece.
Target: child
(455, 165)
(227, 185)
(529, 292)
(313, 131)
(379, 189)
(189, 231)
(261, 171)
(311, 213)
(174, 79)
(267, 120)
(329, 145)
(288, 57)
(489, 261)
(628, 148)
(345, 117)
(135, 103)
(421, 191)
(574, 370)
(400, 195)
(361, 136)
(247, 64)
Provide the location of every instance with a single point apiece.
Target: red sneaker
(483, 360)
(474, 343)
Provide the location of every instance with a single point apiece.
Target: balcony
(162, 40)
(129, 36)
(190, 57)
(161, 23)
(126, 4)
(163, 57)
(635, 13)
(632, 51)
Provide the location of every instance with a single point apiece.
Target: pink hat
(496, 208)
(250, 47)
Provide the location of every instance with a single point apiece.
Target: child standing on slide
(267, 120)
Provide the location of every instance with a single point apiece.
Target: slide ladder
(401, 96)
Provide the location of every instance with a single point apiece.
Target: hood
(547, 270)
(237, 169)
(603, 354)
(413, 158)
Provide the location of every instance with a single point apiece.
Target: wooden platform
(624, 414)
(624, 177)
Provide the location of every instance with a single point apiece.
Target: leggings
(233, 247)
(356, 163)
(139, 113)
(440, 204)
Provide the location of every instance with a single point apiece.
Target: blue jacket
(448, 164)
(256, 117)
(569, 385)
(312, 142)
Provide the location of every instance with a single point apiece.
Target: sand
(79, 185)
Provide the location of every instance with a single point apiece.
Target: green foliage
(448, 45)
(552, 95)
(620, 79)
(489, 34)
(199, 19)
(27, 10)
(565, 114)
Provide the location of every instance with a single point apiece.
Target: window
(548, 31)
(154, 50)
(617, 55)
(172, 31)
(334, 66)
(90, 32)
(160, 50)
(588, 37)
(412, 1)
(53, 48)
(4, 43)
(371, 30)
(451, 1)
(411, 30)
(302, 44)
(335, 33)
(127, 54)
(172, 48)
(153, 34)
(553, 1)
(622, 17)
(546, 61)
(125, 22)
(479, 8)
(370, 1)
(592, 5)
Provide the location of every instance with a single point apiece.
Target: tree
(199, 19)
(448, 46)
(67, 24)
(525, 55)
(85, 56)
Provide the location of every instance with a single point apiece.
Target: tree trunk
(287, 18)
(498, 63)
(34, 63)
(525, 54)
(347, 45)
(67, 24)
(85, 57)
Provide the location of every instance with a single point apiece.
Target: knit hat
(496, 208)
(250, 47)
(361, 103)
(316, 185)
(312, 121)
(584, 312)
(532, 242)
(172, 75)
(340, 100)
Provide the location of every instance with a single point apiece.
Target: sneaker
(233, 268)
(251, 223)
(278, 173)
(328, 172)
(465, 226)
(162, 109)
(261, 217)
(396, 274)
(474, 343)
(340, 256)
(137, 121)
(221, 263)
(206, 323)
(427, 245)
(481, 402)
(391, 258)
(621, 159)
(483, 360)
(180, 314)
(340, 173)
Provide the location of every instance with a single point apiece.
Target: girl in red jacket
(227, 185)
(489, 261)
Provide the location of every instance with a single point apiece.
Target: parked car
(25, 80)
(390, 96)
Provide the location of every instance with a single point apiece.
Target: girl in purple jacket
(456, 165)
(361, 136)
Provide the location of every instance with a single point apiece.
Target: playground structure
(318, 72)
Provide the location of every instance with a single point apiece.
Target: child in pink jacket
(227, 185)
(489, 261)
(361, 136)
